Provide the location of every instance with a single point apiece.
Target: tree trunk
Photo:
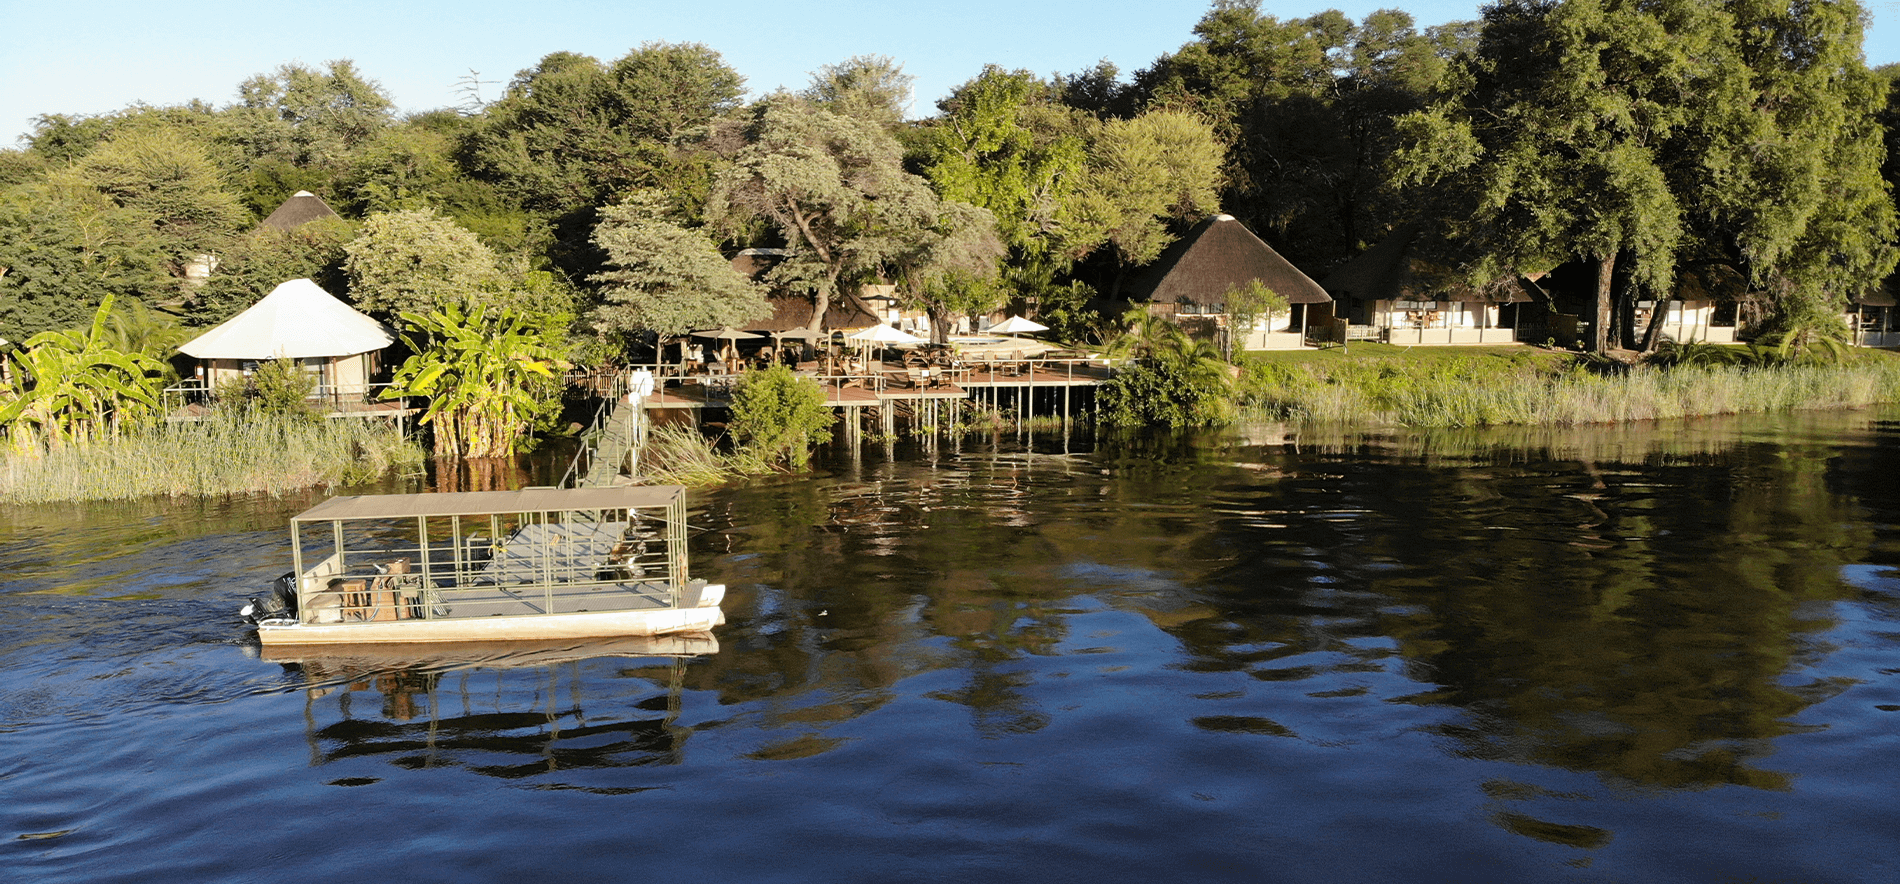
(939, 324)
(1600, 330)
(1653, 335)
(821, 303)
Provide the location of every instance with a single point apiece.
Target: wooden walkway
(893, 384)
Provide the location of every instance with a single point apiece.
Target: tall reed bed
(226, 454)
(678, 454)
(1487, 392)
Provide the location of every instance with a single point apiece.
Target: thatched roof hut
(303, 207)
(1218, 256)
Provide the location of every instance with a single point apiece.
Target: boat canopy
(478, 503)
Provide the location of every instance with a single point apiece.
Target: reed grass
(1474, 393)
(229, 453)
(678, 454)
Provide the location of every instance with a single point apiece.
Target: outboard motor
(279, 604)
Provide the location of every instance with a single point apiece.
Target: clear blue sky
(92, 57)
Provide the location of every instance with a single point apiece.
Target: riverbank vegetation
(232, 452)
(1473, 391)
(1619, 153)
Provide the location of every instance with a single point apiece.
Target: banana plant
(488, 372)
(75, 384)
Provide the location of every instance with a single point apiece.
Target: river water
(1651, 654)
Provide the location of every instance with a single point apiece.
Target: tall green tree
(415, 261)
(311, 116)
(664, 277)
(952, 266)
(1306, 106)
(164, 181)
(1646, 136)
(62, 252)
(833, 187)
(570, 132)
(1163, 166)
(1002, 144)
(872, 88)
(300, 126)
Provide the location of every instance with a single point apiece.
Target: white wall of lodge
(1686, 321)
(1435, 314)
(341, 375)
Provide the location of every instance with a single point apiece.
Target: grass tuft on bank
(230, 453)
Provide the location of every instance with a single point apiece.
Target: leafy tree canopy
(571, 132)
(64, 250)
(1644, 137)
(250, 266)
(872, 88)
(312, 117)
(834, 187)
(664, 277)
(1162, 166)
(415, 261)
(163, 181)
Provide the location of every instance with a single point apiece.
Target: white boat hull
(702, 615)
(593, 624)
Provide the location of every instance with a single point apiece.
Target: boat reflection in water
(504, 709)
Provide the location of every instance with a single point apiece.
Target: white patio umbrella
(883, 334)
(727, 334)
(1016, 325)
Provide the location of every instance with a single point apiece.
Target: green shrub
(780, 416)
(1167, 389)
(281, 386)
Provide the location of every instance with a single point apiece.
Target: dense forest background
(1741, 147)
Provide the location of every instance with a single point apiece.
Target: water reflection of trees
(1625, 602)
(511, 711)
(1630, 611)
(850, 585)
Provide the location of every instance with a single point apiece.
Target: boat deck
(504, 601)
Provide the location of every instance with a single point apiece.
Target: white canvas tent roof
(296, 320)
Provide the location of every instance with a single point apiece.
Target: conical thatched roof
(303, 207)
(296, 320)
(1216, 257)
(1391, 271)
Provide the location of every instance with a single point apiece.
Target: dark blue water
(1658, 654)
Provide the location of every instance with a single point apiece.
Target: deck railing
(329, 399)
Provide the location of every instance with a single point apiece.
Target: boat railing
(542, 569)
(393, 557)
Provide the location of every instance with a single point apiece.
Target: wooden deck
(895, 383)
